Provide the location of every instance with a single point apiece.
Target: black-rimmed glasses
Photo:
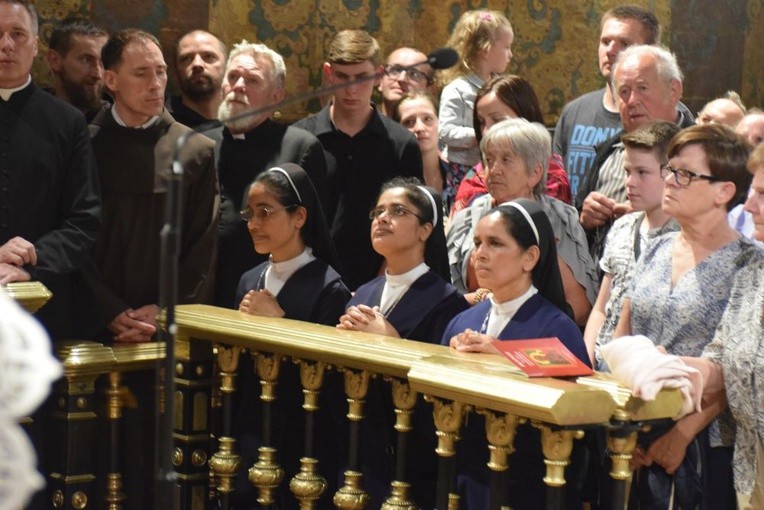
(396, 211)
(684, 177)
(261, 212)
(394, 71)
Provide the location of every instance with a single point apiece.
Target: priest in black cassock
(49, 198)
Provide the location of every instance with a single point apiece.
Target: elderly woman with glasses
(677, 296)
(516, 157)
(738, 352)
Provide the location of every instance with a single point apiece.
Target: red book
(542, 357)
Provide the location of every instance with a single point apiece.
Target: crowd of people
(456, 222)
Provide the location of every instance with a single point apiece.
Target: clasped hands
(14, 255)
(598, 209)
(262, 303)
(367, 319)
(135, 325)
(473, 341)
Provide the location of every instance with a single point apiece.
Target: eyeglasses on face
(396, 211)
(261, 212)
(394, 71)
(684, 177)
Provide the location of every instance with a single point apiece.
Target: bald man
(721, 111)
(752, 127)
(399, 81)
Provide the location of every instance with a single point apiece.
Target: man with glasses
(247, 146)
(647, 84)
(404, 72)
(363, 149)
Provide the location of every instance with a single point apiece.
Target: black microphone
(442, 58)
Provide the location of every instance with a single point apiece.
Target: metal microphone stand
(168, 297)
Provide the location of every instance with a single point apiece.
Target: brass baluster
(352, 496)
(448, 416)
(557, 446)
(308, 485)
(404, 401)
(115, 397)
(266, 474)
(621, 441)
(500, 431)
(225, 463)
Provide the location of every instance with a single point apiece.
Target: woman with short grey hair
(516, 157)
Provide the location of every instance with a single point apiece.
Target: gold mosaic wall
(555, 40)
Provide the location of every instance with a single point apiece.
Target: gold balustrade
(455, 383)
(75, 418)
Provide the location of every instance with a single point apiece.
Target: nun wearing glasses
(515, 258)
(414, 298)
(299, 281)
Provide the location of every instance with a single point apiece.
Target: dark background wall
(718, 42)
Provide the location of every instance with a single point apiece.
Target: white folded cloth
(27, 369)
(639, 365)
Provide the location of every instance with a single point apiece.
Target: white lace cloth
(27, 369)
(639, 365)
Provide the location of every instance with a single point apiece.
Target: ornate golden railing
(455, 384)
(79, 409)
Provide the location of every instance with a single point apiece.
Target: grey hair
(530, 141)
(33, 17)
(668, 68)
(278, 74)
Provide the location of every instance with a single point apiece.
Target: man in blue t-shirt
(593, 118)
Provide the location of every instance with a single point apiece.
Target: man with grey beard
(199, 67)
(245, 147)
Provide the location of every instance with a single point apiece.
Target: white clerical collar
(513, 305)
(290, 266)
(153, 120)
(277, 273)
(407, 278)
(7, 93)
(501, 314)
(238, 136)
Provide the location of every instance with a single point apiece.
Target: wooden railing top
(486, 381)
(30, 295)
